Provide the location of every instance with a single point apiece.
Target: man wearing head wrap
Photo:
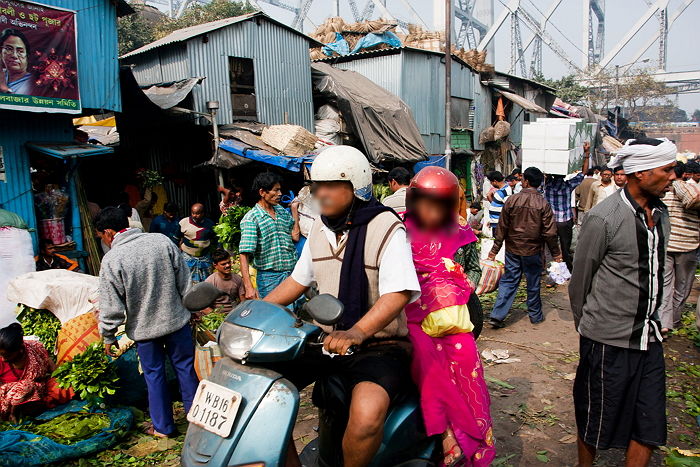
(616, 294)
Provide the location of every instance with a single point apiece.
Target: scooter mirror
(201, 296)
(325, 309)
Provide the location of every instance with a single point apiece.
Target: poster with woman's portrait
(38, 58)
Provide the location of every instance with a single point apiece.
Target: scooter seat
(333, 395)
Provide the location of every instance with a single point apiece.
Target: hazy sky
(565, 27)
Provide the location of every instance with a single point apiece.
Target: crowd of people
(405, 270)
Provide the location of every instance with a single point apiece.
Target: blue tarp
(437, 161)
(371, 39)
(242, 149)
(21, 448)
(340, 46)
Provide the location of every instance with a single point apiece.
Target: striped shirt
(616, 286)
(268, 240)
(685, 223)
(499, 200)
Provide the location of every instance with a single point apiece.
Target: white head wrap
(638, 157)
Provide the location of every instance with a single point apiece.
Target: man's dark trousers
(516, 266)
(565, 231)
(179, 347)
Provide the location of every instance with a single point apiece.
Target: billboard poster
(38, 58)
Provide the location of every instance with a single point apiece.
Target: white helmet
(344, 163)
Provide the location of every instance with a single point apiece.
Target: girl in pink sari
(446, 365)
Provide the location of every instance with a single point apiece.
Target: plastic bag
(66, 294)
(16, 259)
(558, 272)
(449, 320)
(491, 272)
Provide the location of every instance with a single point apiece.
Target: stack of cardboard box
(555, 145)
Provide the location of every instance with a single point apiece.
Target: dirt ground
(531, 399)
(532, 406)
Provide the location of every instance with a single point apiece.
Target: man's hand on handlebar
(338, 342)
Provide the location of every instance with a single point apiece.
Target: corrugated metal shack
(417, 76)
(255, 67)
(98, 73)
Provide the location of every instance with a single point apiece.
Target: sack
(204, 358)
(75, 336)
(449, 320)
(491, 272)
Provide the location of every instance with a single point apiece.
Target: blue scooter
(244, 413)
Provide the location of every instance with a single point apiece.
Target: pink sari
(448, 369)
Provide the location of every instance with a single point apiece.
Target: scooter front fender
(263, 425)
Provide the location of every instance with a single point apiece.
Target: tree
(636, 91)
(696, 115)
(569, 89)
(204, 13)
(134, 31)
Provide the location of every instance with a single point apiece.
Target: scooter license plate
(214, 408)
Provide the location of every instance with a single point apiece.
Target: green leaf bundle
(90, 374)
(228, 230)
(42, 324)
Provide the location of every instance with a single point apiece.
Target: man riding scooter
(358, 252)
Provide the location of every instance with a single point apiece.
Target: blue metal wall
(98, 77)
(98, 64)
(17, 129)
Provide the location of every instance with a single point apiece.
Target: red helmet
(434, 182)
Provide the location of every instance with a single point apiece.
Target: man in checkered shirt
(557, 191)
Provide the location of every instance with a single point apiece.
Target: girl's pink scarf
(440, 286)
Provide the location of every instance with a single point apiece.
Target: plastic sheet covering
(66, 294)
(169, 95)
(16, 259)
(241, 149)
(21, 448)
(372, 40)
(340, 46)
(382, 121)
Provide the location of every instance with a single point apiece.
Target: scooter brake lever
(353, 349)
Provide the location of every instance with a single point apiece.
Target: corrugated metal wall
(418, 78)
(160, 65)
(384, 70)
(17, 129)
(482, 117)
(98, 66)
(281, 66)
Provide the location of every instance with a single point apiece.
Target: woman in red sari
(446, 366)
(25, 370)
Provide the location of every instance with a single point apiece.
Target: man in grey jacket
(616, 293)
(142, 280)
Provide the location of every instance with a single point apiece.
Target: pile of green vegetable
(90, 374)
(212, 321)
(68, 428)
(228, 230)
(381, 191)
(40, 323)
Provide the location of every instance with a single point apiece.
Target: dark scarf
(353, 290)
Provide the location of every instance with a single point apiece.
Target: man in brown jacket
(526, 223)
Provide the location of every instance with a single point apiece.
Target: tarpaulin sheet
(382, 121)
(22, 448)
(169, 95)
(241, 149)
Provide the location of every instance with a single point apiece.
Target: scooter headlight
(236, 341)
